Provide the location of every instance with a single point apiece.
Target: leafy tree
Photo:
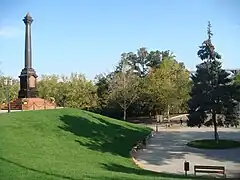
(212, 91)
(236, 79)
(143, 61)
(128, 59)
(103, 105)
(2, 90)
(81, 93)
(136, 62)
(11, 89)
(62, 93)
(123, 88)
(154, 59)
(233, 113)
(74, 91)
(47, 86)
(183, 87)
(167, 85)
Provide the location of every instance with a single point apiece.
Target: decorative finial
(28, 19)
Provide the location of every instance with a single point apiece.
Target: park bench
(209, 169)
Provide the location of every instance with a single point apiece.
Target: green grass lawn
(69, 144)
(212, 144)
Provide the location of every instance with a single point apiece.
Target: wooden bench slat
(209, 171)
(209, 167)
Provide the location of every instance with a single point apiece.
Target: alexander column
(28, 76)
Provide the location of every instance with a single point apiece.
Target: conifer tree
(213, 91)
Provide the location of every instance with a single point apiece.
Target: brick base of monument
(30, 104)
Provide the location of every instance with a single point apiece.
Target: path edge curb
(133, 152)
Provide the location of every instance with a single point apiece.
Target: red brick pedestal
(30, 104)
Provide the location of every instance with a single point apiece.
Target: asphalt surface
(167, 151)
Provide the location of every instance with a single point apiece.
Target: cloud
(10, 31)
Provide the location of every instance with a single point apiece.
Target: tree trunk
(124, 114)
(168, 111)
(150, 114)
(214, 118)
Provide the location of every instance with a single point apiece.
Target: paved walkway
(167, 151)
(5, 111)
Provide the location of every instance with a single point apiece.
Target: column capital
(28, 19)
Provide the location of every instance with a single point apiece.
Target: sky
(88, 36)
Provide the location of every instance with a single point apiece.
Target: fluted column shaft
(28, 46)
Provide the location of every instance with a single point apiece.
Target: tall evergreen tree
(213, 91)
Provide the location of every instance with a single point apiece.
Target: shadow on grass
(36, 170)
(103, 135)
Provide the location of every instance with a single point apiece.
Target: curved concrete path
(167, 151)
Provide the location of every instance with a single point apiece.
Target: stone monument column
(28, 46)
(28, 76)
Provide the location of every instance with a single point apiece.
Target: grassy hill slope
(68, 144)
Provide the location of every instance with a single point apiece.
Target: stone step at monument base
(30, 104)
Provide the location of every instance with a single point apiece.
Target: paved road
(167, 151)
